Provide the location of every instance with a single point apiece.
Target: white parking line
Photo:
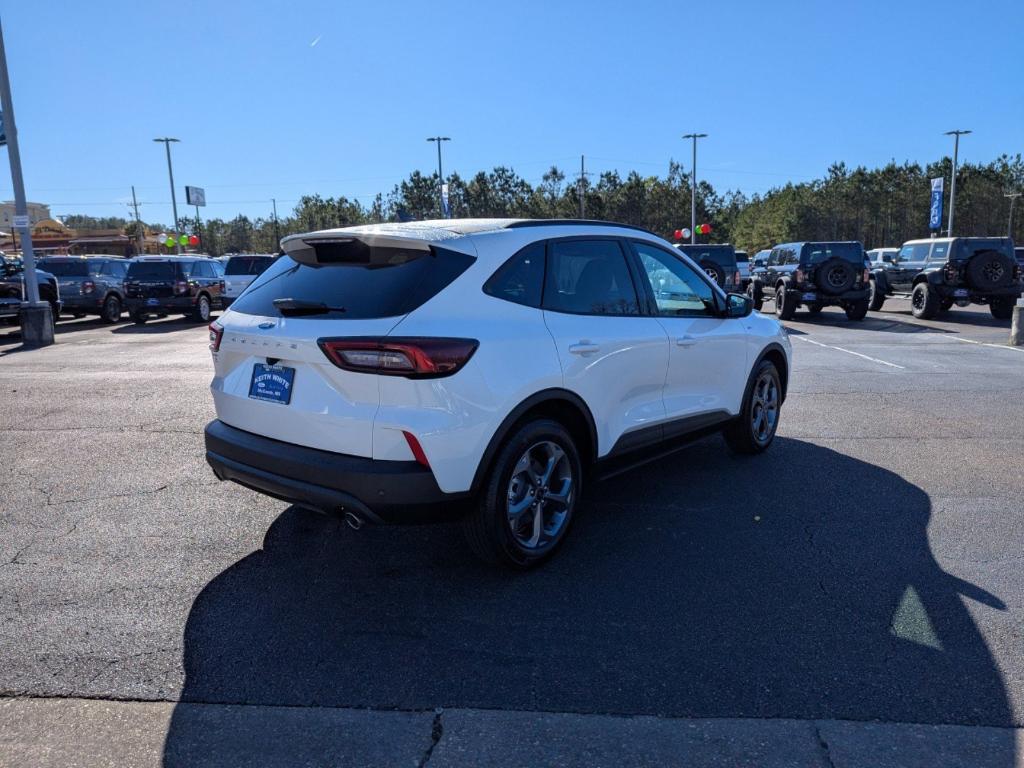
(983, 343)
(849, 352)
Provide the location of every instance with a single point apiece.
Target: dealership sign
(935, 219)
(195, 195)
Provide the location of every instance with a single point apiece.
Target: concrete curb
(89, 732)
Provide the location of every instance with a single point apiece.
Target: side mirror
(738, 305)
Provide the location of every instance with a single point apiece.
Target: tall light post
(952, 183)
(440, 175)
(167, 140)
(693, 186)
(1013, 198)
(36, 317)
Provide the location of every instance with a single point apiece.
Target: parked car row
(935, 274)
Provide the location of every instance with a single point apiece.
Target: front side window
(589, 277)
(520, 279)
(678, 290)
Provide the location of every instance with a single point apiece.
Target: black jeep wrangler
(718, 262)
(814, 275)
(940, 272)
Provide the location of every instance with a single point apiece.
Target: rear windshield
(151, 270)
(723, 255)
(246, 265)
(967, 248)
(742, 258)
(388, 283)
(815, 253)
(65, 268)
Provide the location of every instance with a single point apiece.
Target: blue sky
(278, 99)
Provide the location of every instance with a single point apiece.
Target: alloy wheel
(764, 410)
(540, 495)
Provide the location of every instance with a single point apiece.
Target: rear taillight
(221, 285)
(216, 334)
(181, 287)
(950, 273)
(866, 277)
(1016, 272)
(88, 286)
(736, 278)
(415, 358)
(800, 275)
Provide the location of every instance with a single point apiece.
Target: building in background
(37, 212)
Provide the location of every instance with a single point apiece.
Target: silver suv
(90, 285)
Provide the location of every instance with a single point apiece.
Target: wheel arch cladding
(775, 355)
(559, 405)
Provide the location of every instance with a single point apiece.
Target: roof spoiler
(354, 248)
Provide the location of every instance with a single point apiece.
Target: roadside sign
(21, 221)
(195, 195)
(935, 219)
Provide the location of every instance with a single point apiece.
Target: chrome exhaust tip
(355, 522)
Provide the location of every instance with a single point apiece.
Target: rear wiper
(300, 307)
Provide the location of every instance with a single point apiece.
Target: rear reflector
(216, 334)
(416, 448)
(414, 358)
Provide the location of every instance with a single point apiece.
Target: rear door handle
(584, 348)
(686, 341)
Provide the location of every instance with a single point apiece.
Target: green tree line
(880, 207)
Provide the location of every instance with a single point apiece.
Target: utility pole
(36, 316)
(581, 187)
(693, 186)
(1013, 198)
(440, 175)
(167, 140)
(199, 229)
(277, 233)
(138, 223)
(952, 183)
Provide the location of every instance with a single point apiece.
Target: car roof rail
(523, 223)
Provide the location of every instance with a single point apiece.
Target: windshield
(62, 268)
(816, 253)
(151, 270)
(382, 286)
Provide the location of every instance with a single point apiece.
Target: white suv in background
(482, 369)
(241, 269)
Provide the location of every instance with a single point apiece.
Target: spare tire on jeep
(989, 269)
(835, 276)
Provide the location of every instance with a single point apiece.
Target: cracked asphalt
(867, 569)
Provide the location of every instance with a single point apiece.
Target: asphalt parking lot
(868, 568)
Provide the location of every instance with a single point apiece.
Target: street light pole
(167, 140)
(693, 186)
(36, 318)
(440, 175)
(1013, 198)
(952, 183)
(277, 234)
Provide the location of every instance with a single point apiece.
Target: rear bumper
(83, 304)
(974, 295)
(168, 304)
(378, 491)
(804, 295)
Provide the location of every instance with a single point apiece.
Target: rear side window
(388, 282)
(589, 277)
(939, 252)
(152, 270)
(65, 268)
(521, 278)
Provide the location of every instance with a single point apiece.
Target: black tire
(856, 310)
(785, 305)
(489, 528)
(202, 312)
(990, 269)
(835, 276)
(139, 318)
(111, 309)
(1002, 307)
(815, 308)
(744, 434)
(756, 294)
(924, 302)
(876, 299)
(714, 271)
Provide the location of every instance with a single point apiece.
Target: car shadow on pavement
(165, 325)
(797, 584)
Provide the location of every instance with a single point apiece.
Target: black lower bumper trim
(377, 491)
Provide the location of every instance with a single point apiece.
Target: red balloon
(193, 240)
(679, 234)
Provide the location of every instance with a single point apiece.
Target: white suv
(481, 369)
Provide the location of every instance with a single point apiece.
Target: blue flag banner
(935, 219)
